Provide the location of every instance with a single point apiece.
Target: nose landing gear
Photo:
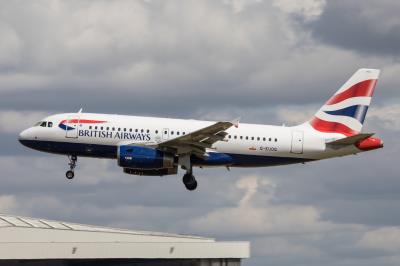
(72, 164)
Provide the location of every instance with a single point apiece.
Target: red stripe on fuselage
(82, 121)
(362, 89)
(331, 127)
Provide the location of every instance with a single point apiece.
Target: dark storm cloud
(369, 27)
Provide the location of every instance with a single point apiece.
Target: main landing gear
(72, 164)
(188, 179)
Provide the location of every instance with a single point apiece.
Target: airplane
(153, 146)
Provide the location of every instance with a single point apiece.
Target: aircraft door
(297, 142)
(165, 134)
(71, 129)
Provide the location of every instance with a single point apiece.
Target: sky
(271, 62)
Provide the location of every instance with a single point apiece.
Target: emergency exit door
(297, 142)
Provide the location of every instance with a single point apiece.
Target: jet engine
(138, 158)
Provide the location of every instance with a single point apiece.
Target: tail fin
(345, 111)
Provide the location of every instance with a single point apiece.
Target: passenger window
(252, 138)
(136, 130)
(241, 137)
(269, 139)
(258, 138)
(101, 128)
(247, 137)
(235, 137)
(264, 139)
(124, 129)
(130, 130)
(119, 129)
(276, 140)
(95, 127)
(113, 129)
(147, 131)
(183, 133)
(142, 130)
(156, 131)
(165, 132)
(90, 127)
(172, 132)
(177, 133)
(50, 124)
(108, 128)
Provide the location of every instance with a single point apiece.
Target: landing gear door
(71, 127)
(297, 142)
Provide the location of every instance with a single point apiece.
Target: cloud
(295, 116)
(10, 47)
(15, 121)
(268, 219)
(360, 28)
(280, 247)
(309, 9)
(8, 203)
(385, 239)
(388, 116)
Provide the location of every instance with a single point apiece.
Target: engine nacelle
(137, 157)
(151, 172)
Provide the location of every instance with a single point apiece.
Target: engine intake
(137, 157)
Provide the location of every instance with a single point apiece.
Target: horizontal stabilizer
(351, 140)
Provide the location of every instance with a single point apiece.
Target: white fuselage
(99, 135)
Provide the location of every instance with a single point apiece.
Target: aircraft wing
(198, 141)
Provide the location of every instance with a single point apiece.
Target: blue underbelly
(110, 151)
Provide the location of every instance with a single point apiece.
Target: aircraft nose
(23, 135)
(26, 136)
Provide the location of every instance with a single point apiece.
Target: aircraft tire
(69, 174)
(192, 186)
(189, 181)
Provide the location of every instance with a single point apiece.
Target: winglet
(235, 122)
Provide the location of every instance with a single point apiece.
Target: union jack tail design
(345, 111)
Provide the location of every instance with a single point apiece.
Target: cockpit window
(44, 124)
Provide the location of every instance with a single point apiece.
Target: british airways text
(114, 135)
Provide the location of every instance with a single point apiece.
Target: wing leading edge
(198, 141)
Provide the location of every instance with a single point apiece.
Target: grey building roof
(31, 238)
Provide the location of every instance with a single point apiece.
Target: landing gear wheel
(72, 164)
(190, 182)
(192, 186)
(70, 174)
